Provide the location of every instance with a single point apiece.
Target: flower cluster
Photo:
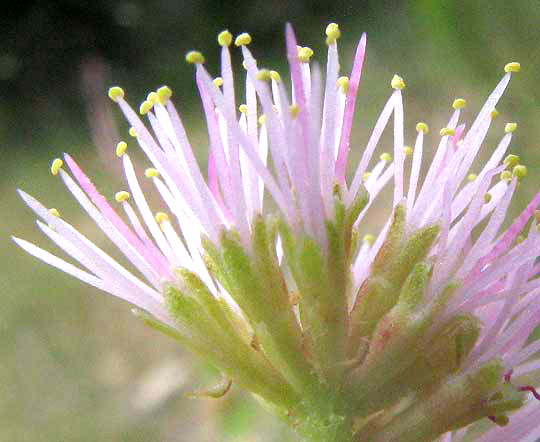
(415, 335)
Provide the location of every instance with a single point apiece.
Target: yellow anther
(145, 107)
(161, 217)
(343, 83)
(56, 166)
(164, 93)
(244, 65)
(243, 108)
(365, 176)
(506, 175)
(510, 127)
(151, 173)
(422, 127)
(512, 67)
(459, 103)
(121, 196)
(333, 33)
(397, 82)
(519, 171)
(447, 131)
(472, 177)
(511, 161)
(304, 54)
(294, 109)
(487, 197)
(153, 97)
(115, 93)
(520, 239)
(224, 38)
(386, 157)
(132, 131)
(494, 114)
(54, 212)
(121, 148)
(408, 150)
(243, 39)
(218, 81)
(195, 57)
(263, 75)
(274, 75)
(262, 119)
(369, 238)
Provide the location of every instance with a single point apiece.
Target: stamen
(333, 33)
(218, 81)
(343, 83)
(161, 217)
(151, 173)
(397, 82)
(511, 161)
(368, 238)
(422, 127)
(494, 114)
(153, 97)
(408, 150)
(275, 76)
(447, 131)
(225, 38)
(56, 166)
(471, 177)
(510, 127)
(164, 93)
(122, 196)
(386, 157)
(195, 57)
(512, 67)
(304, 54)
(243, 39)
(264, 75)
(54, 212)
(519, 171)
(132, 132)
(121, 148)
(115, 93)
(145, 107)
(459, 103)
(243, 108)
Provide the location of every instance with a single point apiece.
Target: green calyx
(391, 267)
(392, 366)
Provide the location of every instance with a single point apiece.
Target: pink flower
(306, 135)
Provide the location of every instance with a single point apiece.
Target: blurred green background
(75, 365)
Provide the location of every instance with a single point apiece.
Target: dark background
(74, 364)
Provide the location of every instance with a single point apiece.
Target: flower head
(407, 335)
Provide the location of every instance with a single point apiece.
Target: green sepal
(445, 352)
(397, 321)
(458, 402)
(359, 203)
(377, 295)
(215, 340)
(323, 303)
(397, 343)
(393, 242)
(416, 249)
(270, 314)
